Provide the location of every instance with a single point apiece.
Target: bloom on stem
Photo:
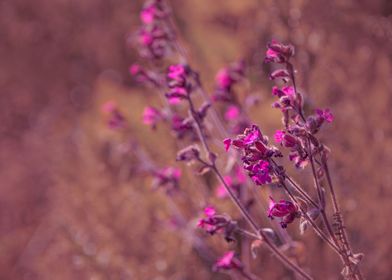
(278, 52)
(151, 116)
(178, 82)
(168, 178)
(228, 261)
(284, 209)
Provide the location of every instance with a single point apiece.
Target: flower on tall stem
(285, 210)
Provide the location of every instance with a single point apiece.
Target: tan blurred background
(70, 205)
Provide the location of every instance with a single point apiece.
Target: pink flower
(145, 38)
(278, 52)
(283, 209)
(325, 115)
(228, 261)
(223, 78)
(289, 90)
(168, 178)
(151, 116)
(260, 172)
(232, 113)
(279, 134)
(147, 15)
(209, 211)
(176, 72)
(227, 143)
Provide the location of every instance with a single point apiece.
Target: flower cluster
(214, 223)
(278, 52)
(285, 210)
(167, 178)
(151, 116)
(225, 79)
(178, 82)
(115, 119)
(298, 129)
(256, 154)
(154, 37)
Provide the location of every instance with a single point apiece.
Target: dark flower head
(278, 52)
(284, 209)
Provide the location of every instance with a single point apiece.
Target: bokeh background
(71, 205)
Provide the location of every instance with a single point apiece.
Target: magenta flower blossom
(227, 142)
(223, 79)
(167, 178)
(278, 52)
(325, 115)
(279, 134)
(178, 82)
(151, 116)
(209, 211)
(147, 15)
(232, 113)
(228, 261)
(260, 172)
(284, 209)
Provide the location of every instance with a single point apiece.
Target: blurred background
(71, 206)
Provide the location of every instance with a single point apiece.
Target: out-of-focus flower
(116, 120)
(178, 82)
(228, 261)
(209, 211)
(232, 113)
(151, 116)
(325, 115)
(284, 209)
(168, 178)
(223, 78)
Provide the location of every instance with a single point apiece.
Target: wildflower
(278, 52)
(284, 209)
(279, 134)
(178, 82)
(168, 178)
(227, 143)
(223, 79)
(228, 261)
(260, 172)
(325, 115)
(209, 211)
(232, 112)
(151, 116)
(147, 15)
(181, 126)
